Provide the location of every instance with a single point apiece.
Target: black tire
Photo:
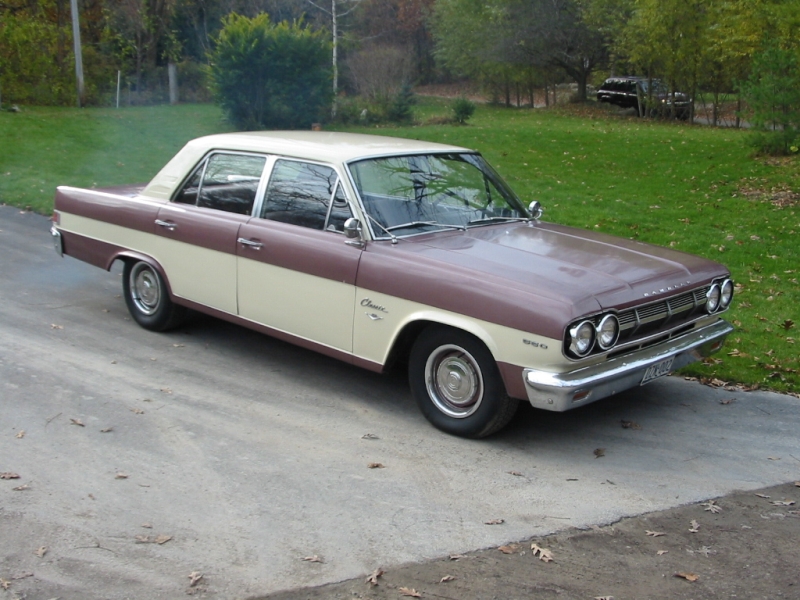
(148, 299)
(457, 385)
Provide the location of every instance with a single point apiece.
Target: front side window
(412, 194)
(227, 182)
(305, 194)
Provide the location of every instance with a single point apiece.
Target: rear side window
(223, 181)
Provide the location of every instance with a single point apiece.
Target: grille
(655, 316)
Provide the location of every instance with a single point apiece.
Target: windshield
(406, 195)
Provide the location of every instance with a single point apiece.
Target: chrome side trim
(558, 391)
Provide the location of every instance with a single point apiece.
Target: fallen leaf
(143, 539)
(41, 551)
(121, 475)
(687, 576)
(20, 435)
(138, 411)
(4, 583)
(21, 488)
(162, 539)
(22, 576)
(375, 466)
(654, 533)
(194, 578)
(178, 345)
(54, 326)
(106, 430)
(404, 591)
(514, 473)
(630, 424)
(662, 552)
(373, 579)
(695, 527)
(728, 401)
(797, 484)
(446, 578)
(712, 506)
(146, 525)
(369, 436)
(788, 324)
(542, 553)
(457, 556)
(782, 502)
(494, 522)
(507, 549)
(8, 475)
(604, 598)
(762, 495)
(772, 458)
(314, 558)
(599, 452)
(166, 390)
(77, 422)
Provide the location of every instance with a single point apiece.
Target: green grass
(696, 189)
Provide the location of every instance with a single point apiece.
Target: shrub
(267, 76)
(399, 111)
(773, 95)
(463, 109)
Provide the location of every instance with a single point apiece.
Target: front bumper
(58, 241)
(564, 391)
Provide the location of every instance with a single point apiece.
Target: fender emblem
(367, 303)
(534, 344)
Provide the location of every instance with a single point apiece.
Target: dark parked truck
(374, 250)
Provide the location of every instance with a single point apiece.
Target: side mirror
(535, 209)
(352, 231)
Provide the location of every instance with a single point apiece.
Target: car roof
(322, 146)
(326, 146)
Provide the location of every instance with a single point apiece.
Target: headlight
(726, 294)
(712, 298)
(608, 332)
(582, 338)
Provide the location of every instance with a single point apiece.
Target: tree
(269, 75)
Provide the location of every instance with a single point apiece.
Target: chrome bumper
(564, 391)
(58, 243)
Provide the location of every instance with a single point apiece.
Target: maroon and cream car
(373, 250)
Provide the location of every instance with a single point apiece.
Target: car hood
(570, 265)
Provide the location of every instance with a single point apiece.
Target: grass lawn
(696, 189)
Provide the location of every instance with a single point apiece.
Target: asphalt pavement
(145, 458)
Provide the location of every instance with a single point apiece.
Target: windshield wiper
(495, 220)
(420, 223)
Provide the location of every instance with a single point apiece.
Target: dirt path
(744, 545)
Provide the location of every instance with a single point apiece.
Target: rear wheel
(148, 299)
(457, 385)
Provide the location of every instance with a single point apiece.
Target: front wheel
(457, 385)
(148, 299)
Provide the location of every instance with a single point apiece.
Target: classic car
(376, 251)
(646, 96)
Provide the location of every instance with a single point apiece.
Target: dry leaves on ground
(662, 552)
(194, 578)
(147, 539)
(514, 473)
(687, 576)
(446, 578)
(604, 598)
(376, 466)
(782, 502)
(695, 527)
(369, 436)
(762, 495)
(630, 424)
(712, 506)
(41, 551)
(77, 422)
(542, 554)
(404, 591)
(20, 435)
(509, 549)
(9, 475)
(457, 556)
(313, 558)
(494, 522)
(373, 579)
(107, 430)
(121, 475)
(599, 452)
(21, 488)
(4, 583)
(654, 533)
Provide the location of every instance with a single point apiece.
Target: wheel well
(398, 355)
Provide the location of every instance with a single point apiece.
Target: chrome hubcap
(145, 288)
(454, 381)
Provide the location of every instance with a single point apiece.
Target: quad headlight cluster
(719, 296)
(583, 336)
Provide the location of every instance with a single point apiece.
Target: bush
(773, 95)
(399, 111)
(463, 109)
(267, 76)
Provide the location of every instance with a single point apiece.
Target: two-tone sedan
(375, 250)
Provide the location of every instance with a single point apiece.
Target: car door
(296, 273)
(198, 230)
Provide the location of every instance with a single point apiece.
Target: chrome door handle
(166, 224)
(252, 244)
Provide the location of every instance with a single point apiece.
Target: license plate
(657, 370)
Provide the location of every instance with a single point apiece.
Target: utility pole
(76, 38)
